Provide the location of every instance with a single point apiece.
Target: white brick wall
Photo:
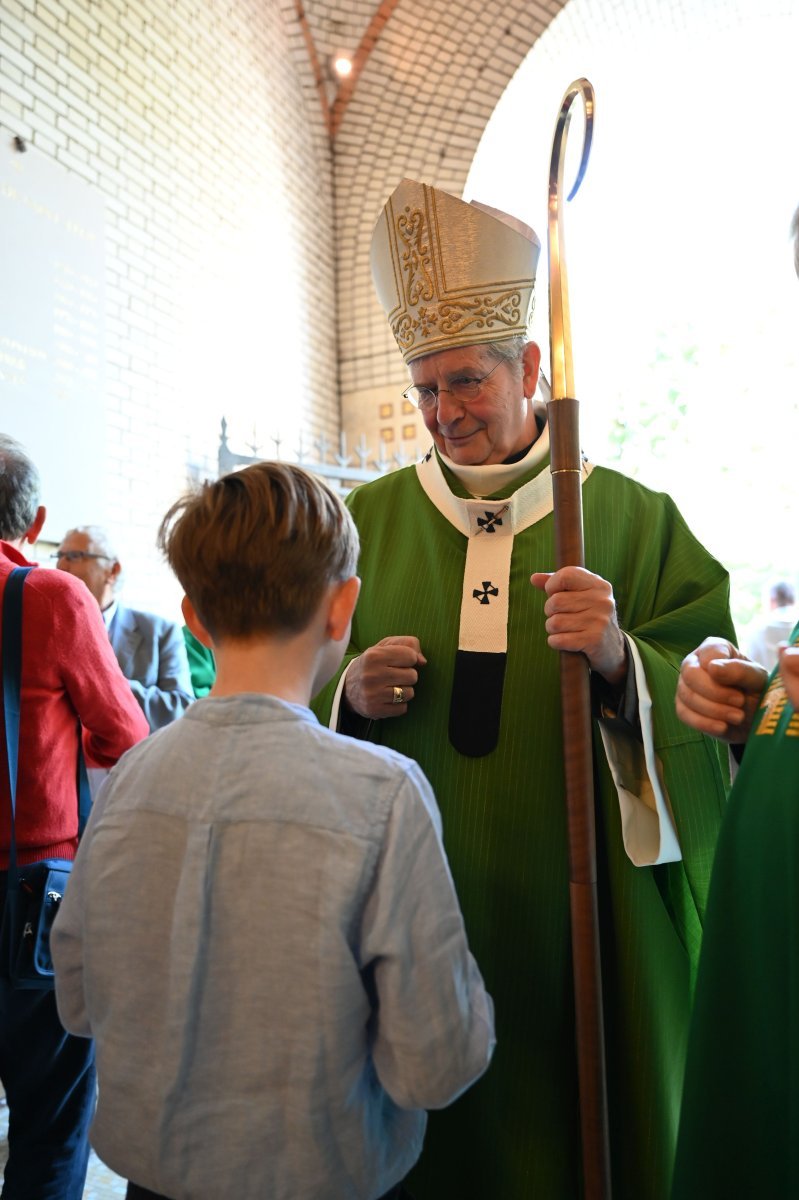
(201, 124)
(190, 120)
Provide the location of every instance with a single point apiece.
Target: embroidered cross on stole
(489, 527)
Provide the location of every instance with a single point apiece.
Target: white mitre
(448, 273)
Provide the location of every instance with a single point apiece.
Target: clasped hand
(719, 690)
(581, 617)
(373, 676)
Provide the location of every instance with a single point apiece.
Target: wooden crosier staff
(566, 468)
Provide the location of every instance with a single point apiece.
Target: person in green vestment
(452, 662)
(739, 1129)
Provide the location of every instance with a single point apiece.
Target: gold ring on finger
(399, 696)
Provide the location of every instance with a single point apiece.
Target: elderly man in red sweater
(69, 674)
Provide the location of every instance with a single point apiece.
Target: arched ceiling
(427, 76)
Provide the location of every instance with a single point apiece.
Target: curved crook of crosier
(559, 321)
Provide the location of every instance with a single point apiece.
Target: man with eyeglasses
(149, 649)
(69, 679)
(452, 663)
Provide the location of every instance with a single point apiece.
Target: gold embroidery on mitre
(416, 258)
(453, 316)
(448, 273)
(481, 311)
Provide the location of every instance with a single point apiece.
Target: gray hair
(99, 543)
(509, 351)
(20, 488)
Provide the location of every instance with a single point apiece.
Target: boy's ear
(194, 623)
(343, 599)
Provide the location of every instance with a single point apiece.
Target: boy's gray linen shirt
(262, 934)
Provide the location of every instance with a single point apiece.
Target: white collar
(528, 504)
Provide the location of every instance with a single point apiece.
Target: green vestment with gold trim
(515, 1134)
(739, 1133)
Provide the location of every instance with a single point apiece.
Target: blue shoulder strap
(12, 677)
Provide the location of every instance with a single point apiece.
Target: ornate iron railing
(342, 470)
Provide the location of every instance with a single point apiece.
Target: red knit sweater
(69, 672)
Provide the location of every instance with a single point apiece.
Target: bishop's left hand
(581, 617)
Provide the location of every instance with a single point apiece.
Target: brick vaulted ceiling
(427, 75)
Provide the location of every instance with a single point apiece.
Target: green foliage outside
(689, 422)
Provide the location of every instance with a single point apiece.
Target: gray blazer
(152, 655)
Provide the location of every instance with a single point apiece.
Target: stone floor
(101, 1184)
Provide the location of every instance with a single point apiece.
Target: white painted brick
(14, 9)
(77, 150)
(80, 14)
(15, 25)
(54, 7)
(16, 91)
(48, 18)
(46, 49)
(7, 71)
(71, 160)
(45, 125)
(43, 32)
(10, 39)
(107, 54)
(108, 158)
(77, 136)
(42, 87)
(110, 92)
(48, 73)
(12, 116)
(46, 144)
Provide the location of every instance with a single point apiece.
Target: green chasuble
(515, 1134)
(739, 1133)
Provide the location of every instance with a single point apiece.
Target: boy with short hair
(261, 930)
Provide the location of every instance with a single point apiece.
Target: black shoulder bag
(34, 891)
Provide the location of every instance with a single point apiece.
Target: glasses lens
(465, 389)
(422, 397)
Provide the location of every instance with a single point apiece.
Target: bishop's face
(493, 425)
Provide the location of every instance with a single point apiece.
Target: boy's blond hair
(256, 550)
